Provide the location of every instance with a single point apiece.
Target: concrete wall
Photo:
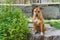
(51, 12)
(48, 11)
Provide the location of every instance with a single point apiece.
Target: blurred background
(28, 1)
(51, 7)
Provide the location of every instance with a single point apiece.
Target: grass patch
(54, 24)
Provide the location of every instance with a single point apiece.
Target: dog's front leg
(41, 29)
(35, 29)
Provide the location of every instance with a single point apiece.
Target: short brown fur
(38, 27)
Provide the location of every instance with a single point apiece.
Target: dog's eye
(34, 11)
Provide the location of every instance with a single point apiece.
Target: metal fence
(27, 1)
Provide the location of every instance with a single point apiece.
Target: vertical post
(18, 1)
(31, 1)
(40, 1)
(22, 1)
(36, 1)
(25, 1)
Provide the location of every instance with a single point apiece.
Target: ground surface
(51, 31)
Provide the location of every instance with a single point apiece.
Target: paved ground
(49, 32)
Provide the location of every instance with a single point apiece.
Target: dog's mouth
(36, 15)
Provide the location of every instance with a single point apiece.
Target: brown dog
(38, 21)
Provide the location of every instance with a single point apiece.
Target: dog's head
(36, 10)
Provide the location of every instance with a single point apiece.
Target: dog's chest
(37, 21)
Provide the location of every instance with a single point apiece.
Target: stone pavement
(50, 34)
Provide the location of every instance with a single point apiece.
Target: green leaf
(13, 24)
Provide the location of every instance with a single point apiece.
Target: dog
(38, 21)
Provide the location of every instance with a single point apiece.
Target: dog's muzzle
(36, 15)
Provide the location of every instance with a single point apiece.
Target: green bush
(54, 24)
(10, 1)
(13, 24)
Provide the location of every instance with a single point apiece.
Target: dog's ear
(41, 8)
(33, 7)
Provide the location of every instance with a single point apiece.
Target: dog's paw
(41, 33)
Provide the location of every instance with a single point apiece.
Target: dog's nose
(36, 15)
